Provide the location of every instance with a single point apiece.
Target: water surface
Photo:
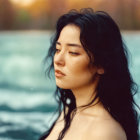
(26, 96)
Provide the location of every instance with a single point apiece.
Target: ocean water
(26, 95)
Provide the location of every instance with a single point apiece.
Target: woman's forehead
(70, 36)
(70, 32)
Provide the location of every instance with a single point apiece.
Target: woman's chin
(62, 86)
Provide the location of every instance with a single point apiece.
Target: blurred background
(26, 26)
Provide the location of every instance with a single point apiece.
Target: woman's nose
(59, 59)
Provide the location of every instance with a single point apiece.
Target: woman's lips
(58, 73)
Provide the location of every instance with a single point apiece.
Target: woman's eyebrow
(70, 44)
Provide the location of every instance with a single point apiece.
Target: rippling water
(26, 96)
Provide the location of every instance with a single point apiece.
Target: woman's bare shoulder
(106, 130)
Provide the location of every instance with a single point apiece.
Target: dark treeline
(42, 14)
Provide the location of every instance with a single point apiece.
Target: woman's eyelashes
(72, 53)
(57, 50)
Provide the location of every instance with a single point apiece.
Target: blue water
(26, 95)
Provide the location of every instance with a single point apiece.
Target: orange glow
(23, 2)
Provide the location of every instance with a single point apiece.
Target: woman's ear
(100, 71)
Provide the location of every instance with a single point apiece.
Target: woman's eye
(74, 53)
(57, 50)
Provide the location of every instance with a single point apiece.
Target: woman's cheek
(79, 66)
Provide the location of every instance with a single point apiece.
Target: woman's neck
(85, 94)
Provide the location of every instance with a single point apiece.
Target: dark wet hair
(101, 37)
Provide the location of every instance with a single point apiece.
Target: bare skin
(94, 122)
(98, 125)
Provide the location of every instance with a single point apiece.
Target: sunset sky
(23, 2)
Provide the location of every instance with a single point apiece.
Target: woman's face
(72, 60)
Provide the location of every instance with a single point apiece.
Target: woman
(94, 86)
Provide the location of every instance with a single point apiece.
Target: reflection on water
(26, 102)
